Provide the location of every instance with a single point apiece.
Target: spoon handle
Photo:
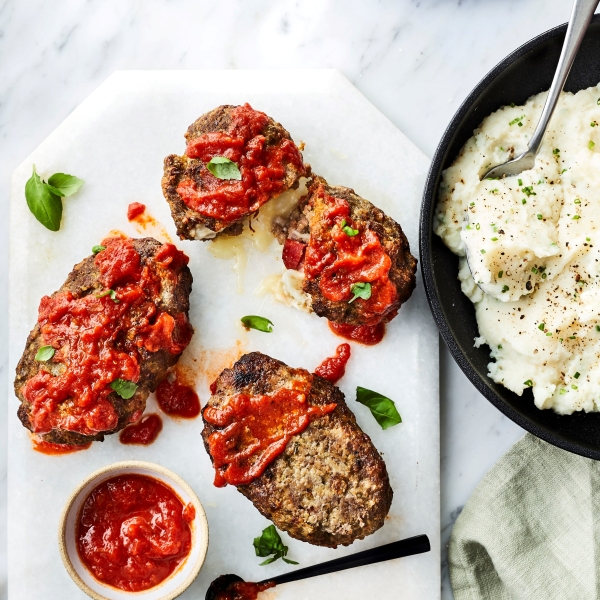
(581, 15)
(413, 545)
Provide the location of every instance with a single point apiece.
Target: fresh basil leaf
(288, 561)
(347, 229)
(125, 389)
(113, 296)
(269, 542)
(258, 323)
(98, 248)
(44, 353)
(44, 204)
(383, 409)
(66, 185)
(361, 290)
(223, 168)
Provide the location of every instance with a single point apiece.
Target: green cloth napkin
(531, 529)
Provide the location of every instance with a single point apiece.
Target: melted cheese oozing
(530, 249)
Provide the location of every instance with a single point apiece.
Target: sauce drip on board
(132, 532)
(177, 400)
(262, 167)
(97, 338)
(44, 447)
(369, 335)
(334, 367)
(256, 430)
(142, 433)
(341, 260)
(243, 590)
(135, 209)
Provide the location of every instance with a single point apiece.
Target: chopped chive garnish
(499, 346)
(541, 326)
(494, 239)
(528, 383)
(500, 273)
(524, 201)
(477, 226)
(548, 334)
(555, 151)
(540, 217)
(577, 375)
(577, 201)
(544, 275)
(534, 270)
(528, 191)
(517, 120)
(597, 327)
(482, 251)
(505, 289)
(576, 217)
(574, 387)
(472, 204)
(520, 182)
(591, 144)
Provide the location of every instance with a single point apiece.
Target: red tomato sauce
(262, 167)
(135, 209)
(341, 261)
(334, 367)
(243, 590)
(98, 338)
(53, 449)
(257, 430)
(142, 433)
(132, 532)
(369, 335)
(293, 254)
(177, 400)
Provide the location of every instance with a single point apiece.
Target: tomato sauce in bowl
(133, 531)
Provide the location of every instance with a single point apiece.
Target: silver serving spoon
(581, 15)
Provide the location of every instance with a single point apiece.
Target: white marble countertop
(415, 60)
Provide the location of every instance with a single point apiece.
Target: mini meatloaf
(358, 269)
(104, 341)
(326, 485)
(267, 163)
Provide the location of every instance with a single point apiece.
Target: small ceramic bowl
(171, 587)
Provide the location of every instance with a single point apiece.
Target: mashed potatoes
(529, 249)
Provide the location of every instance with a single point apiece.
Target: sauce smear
(262, 167)
(334, 367)
(132, 532)
(369, 335)
(243, 590)
(135, 209)
(53, 449)
(177, 400)
(256, 430)
(98, 338)
(142, 433)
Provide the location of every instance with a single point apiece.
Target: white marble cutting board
(116, 141)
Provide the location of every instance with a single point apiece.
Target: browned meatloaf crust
(83, 280)
(177, 168)
(330, 486)
(305, 220)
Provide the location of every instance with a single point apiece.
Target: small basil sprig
(125, 389)
(44, 354)
(347, 229)
(383, 409)
(361, 290)
(98, 248)
(258, 323)
(223, 168)
(269, 543)
(45, 199)
(111, 293)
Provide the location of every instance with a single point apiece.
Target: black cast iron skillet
(525, 72)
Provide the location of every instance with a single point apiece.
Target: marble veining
(413, 59)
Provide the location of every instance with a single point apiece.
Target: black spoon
(407, 547)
